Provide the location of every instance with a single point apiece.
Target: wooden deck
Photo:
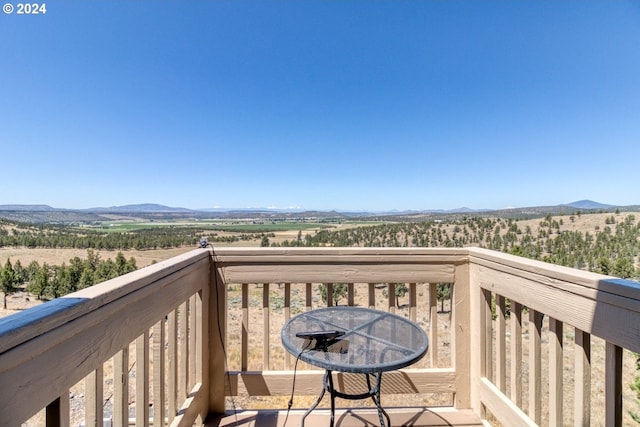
(518, 334)
(416, 417)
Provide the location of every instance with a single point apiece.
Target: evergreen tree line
(612, 250)
(40, 236)
(52, 281)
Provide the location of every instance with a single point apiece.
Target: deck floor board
(417, 417)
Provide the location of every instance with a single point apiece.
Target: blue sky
(352, 105)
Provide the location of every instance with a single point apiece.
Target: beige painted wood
(183, 351)
(358, 417)
(461, 339)
(578, 281)
(44, 319)
(307, 296)
(244, 333)
(172, 364)
(501, 351)
(613, 385)
(535, 366)
(487, 328)
(516, 353)
(266, 328)
(339, 273)
(229, 255)
(121, 388)
(615, 318)
(505, 411)
(413, 302)
(193, 344)
(309, 382)
(582, 385)
(476, 339)
(93, 392)
(107, 327)
(214, 332)
(556, 374)
(371, 295)
(192, 408)
(433, 324)
(159, 373)
(57, 412)
(287, 316)
(142, 380)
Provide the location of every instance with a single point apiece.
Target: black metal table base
(373, 393)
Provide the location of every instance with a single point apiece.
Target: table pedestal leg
(375, 396)
(324, 389)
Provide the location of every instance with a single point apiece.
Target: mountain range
(154, 207)
(39, 213)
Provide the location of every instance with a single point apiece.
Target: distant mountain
(151, 211)
(588, 204)
(143, 207)
(27, 208)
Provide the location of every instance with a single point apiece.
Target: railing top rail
(556, 275)
(21, 327)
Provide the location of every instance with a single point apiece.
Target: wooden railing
(566, 311)
(193, 330)
(265, 287)
(151, 322)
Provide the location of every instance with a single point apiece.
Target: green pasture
(232, 226)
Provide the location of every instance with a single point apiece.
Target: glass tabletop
(372, 341)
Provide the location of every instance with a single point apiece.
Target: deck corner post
(216, 340)
(462, 340)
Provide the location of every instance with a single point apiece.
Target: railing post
(215, 338)
(476, 315)
(613, 385)
(461, 323)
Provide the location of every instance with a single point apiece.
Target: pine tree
(8, 282)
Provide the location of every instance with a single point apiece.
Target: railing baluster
(93, 391)
(142, 380)
(516, 353)
(412, 302)
(121, 388)
(582, 391)
(613, 385)
(501, 353)
(266, 362)
(535, 366)
(183, 337)
(555, 372)
(372, 295)
(193, 337)
(307, 297)
(391, 304)
(433, 324)
(329, 294)
(351, 294)
(487, 340)
(287, 316)
(172, 364)
(244, 333)
(57, 412)
(158, 373)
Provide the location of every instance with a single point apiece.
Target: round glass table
(354, 340)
